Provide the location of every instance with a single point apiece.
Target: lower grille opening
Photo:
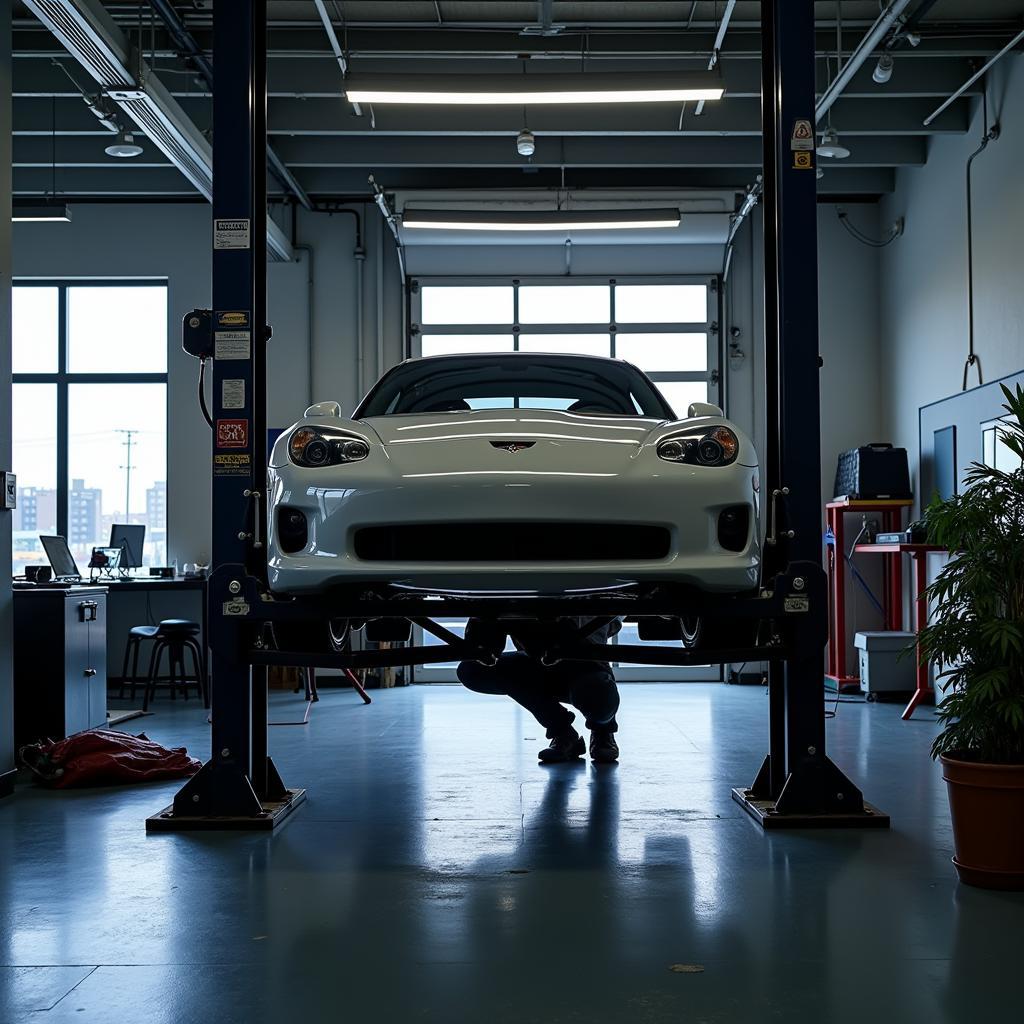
(512, 542)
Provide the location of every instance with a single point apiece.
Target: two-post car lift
(797, 785)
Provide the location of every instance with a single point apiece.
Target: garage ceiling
(329, 151)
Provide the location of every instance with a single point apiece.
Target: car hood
(511, 425)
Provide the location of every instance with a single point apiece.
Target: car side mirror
(324, 409)
(703, 409)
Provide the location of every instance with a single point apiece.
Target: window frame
(709, 327)
(63, 379)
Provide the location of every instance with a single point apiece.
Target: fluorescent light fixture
(532, 220)
(42, 212)
(530, 90)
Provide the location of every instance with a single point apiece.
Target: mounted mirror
(323, 409)
(701, 409)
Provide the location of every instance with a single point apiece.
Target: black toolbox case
(873, 471)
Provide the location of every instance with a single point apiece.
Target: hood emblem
(512, 446)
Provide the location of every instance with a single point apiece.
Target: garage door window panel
(663, 327)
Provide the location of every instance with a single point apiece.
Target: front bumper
(684, 500)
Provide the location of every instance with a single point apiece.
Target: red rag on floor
(103, 757)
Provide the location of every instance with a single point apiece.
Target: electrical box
(9, 491)
(888, 661)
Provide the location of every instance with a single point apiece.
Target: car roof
(513, 355)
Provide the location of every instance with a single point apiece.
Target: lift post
(798, 785)
(239, 786)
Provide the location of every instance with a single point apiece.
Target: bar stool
(175, 636)
(136, 635)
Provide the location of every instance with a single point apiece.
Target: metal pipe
(864, 49)
(719, 39)
(970, 81)
(380, 301)
(332, 38)
(310, 333)
(186, 43)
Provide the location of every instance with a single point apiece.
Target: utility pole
(127, 467)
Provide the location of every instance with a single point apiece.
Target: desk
(124, 613)
(919, 553)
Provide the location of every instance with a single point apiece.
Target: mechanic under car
(589, 686)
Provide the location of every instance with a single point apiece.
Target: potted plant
(976, 642)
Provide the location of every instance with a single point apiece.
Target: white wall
(923, 275)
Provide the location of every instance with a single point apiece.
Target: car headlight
(322, 447)
(718, 446)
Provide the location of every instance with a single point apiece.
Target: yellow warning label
(802, 160)
(232, 465)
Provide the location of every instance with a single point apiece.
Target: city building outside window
(89, 414)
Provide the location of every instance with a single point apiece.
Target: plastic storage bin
(884, 667)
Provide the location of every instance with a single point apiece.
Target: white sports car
(518, 473)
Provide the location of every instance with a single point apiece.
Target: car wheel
(700, 633)
(339, 634)
(314, 637)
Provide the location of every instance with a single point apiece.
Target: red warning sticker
(232, 433)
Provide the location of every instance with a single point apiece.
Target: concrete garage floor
(437, 873)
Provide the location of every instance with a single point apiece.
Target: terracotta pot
(986, 803)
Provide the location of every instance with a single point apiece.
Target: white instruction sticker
(230, 234)
(232, 394)
(231, 344)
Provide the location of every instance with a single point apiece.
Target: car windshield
(464, 383)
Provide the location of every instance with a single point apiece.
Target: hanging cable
(989, 135)
(876, 243)
(202, 393)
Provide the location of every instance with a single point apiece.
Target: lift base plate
(274, 814)
(763, 812)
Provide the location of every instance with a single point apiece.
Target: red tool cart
(890, 514)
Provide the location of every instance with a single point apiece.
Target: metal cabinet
(60, 662)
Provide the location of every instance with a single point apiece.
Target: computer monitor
(129, 538)
(60, 558)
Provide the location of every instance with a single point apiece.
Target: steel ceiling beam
(324, 182)
(91, 36)
(295, 77)
(443, 43)
(463, 151)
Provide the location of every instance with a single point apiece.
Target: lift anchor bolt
(812, 750)
(225, 752)
(799, 583)
(195, 798)
(235, 587)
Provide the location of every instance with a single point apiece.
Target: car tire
(313, 637)
(700, 633)
(339, 635)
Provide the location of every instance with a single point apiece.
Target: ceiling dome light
(526, 145)
(883, 69)
(831, 146)
(125, 147)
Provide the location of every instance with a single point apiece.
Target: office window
(90, 414)
(663, 327)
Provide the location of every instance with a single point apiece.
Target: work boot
(603, 748)
(564, 746)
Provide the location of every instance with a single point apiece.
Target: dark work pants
(587, 685)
